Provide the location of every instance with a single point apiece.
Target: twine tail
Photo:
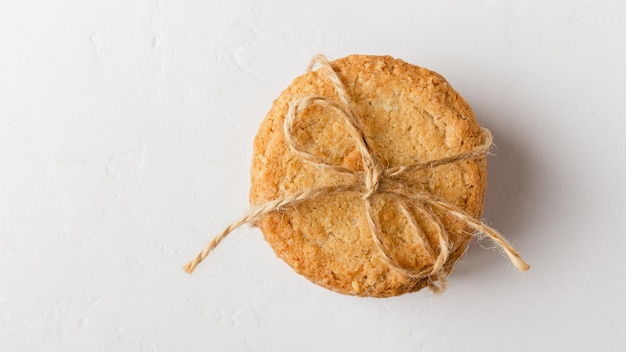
(189, 268)
(257, 212)
(513, 255)
(492, 233)
(438, 284)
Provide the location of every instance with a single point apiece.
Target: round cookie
(408, 114)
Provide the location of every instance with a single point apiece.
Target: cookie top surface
(408, 114)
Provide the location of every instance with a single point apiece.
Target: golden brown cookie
(408, 114)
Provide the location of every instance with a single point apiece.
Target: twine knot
(373, 175)
(375, 180)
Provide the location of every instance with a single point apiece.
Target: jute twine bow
(375, 180)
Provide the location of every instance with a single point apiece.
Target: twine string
(375, 181)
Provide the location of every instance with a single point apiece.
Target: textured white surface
(126, 131)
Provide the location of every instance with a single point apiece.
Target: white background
(126, 133)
